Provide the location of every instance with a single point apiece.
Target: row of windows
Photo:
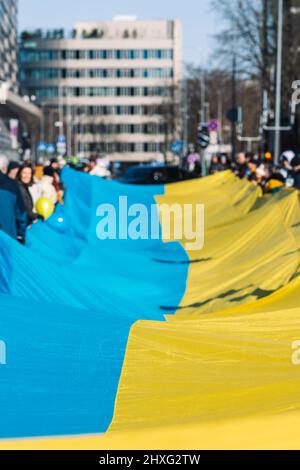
(123, 147)
(108, 54)
(53, 92)
(110, 129)
(49, 74)
(150, 110)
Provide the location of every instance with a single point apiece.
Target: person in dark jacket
(241, 165)
(13, 169)
(26, 181)
(215, 165)
(295, 164)
(13, 219)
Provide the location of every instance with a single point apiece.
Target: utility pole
(69, 128)
(233, 124)
(60, 107)
(185, 118)
(278, 83)
(220, 115)
(42, 123)
(203, 98)
(266, 61)
(203, 120)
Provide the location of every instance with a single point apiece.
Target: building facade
(8, 43)
(15, 112)
(8, 60)
(110, 88)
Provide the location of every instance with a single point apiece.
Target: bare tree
(169, 113)
(218, 84)
(250, 34)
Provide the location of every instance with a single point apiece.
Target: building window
(31, 55)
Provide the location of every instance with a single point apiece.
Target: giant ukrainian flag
(143, 344)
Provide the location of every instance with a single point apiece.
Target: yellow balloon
(44, 207)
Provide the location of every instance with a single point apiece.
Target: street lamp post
(234, 105)
(203, 98)
(278, 82)
(42, 122)
(185, 118)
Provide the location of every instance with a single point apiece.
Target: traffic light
(233, 115)
(203, 137)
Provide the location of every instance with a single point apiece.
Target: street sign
(233, 115)
(214, 138)
(42, 147)
(50, 148)
(213, 125)
(61, 145)
(177, 147)
(61, 139)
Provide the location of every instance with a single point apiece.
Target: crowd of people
(23, 185)
(262, 171)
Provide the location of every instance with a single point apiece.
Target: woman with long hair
(28, 191)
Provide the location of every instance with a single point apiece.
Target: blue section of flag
(67, 304)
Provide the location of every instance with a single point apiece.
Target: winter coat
(28, 203)
(13, 218)
(296, 177)
(47, 189)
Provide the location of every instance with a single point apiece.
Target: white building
(113, 84)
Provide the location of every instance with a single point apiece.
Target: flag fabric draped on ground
(152, 344)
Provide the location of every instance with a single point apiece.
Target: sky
(197, 18)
